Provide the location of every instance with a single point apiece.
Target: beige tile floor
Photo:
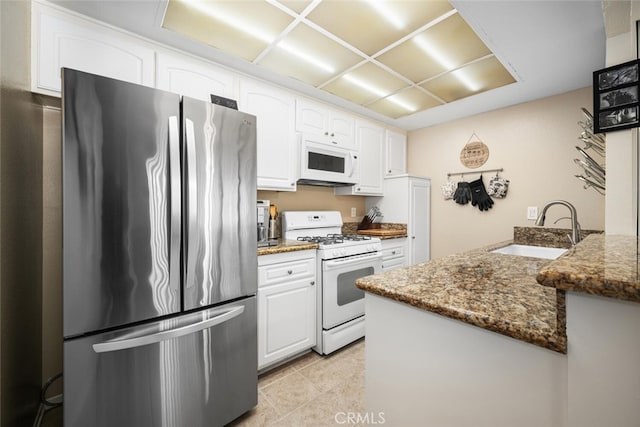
(312, 390)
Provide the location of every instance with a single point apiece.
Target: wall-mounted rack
(449, 174)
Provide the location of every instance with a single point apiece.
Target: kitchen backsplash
(309, 197)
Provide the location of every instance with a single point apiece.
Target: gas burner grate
(324, 240)
(350, 237)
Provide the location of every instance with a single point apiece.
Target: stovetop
(323, 228)
(334, 239)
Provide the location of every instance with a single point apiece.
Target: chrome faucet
(575, 236)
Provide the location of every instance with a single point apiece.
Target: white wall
(535, 144)
(622, 154)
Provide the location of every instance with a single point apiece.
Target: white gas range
(341, 260)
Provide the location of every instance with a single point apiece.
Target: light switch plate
(353, 212)
(532, 212)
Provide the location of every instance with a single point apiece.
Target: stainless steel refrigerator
(159, 257)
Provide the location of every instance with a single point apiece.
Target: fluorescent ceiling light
(399, 102)
(378, 92)
(364, 85)
(306, 57)
(208, 9)
(387, 13)
(445, 62)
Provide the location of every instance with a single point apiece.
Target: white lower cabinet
(393, 253)
(286, 305)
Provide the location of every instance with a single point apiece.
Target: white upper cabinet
(336, 127)
(370, 138)
(396, 154)
(63, 40)
(194, 78)
(277, 143)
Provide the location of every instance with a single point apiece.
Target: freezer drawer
(199, 369)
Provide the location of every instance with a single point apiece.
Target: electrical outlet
(532, 212)
(353, 212)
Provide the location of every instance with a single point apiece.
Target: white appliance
(407, 200)
(341, 259)
(328, 164)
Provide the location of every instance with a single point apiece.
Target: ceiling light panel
(477, 77)
(447, 45)
(309, 56)
(236, 27)
(297, 6)
(404, 103)
(365, 84)
(370, 26)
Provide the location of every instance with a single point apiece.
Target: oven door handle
(356, 259)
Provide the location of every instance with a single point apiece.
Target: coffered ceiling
(413, 64)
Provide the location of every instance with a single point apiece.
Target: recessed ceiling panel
(477, 77)
(443, 47)
(401, 51)
(240, 28)
(298, 6)
(404, 103)
(365, 84)
(371, 26)
(309, 56)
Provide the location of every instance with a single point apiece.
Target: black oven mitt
(479, 196)
(462, 196)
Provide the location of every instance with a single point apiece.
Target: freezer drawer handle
(123, 344)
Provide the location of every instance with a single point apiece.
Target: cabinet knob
(289, 271)
(393, 252)
(332, 134)
(313, 282)
(293, 183)
(326, 133)
(358, 189)
(389, 170)
(413, 237)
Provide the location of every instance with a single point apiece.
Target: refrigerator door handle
(192, 202)
(175, 203)
(122, 344)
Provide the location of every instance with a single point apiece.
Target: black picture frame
(616, 97)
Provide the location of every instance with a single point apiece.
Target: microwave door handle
(156, 337)
(192, 203)
(174, 204)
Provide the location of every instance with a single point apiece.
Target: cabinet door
(370, 161)
(336, 127)
(342, 129)
(193, 78)
(311, 118)
(419, 218)
(286, 320)
(61, 40)
(396, 153)
(393, 253)
(277, 148)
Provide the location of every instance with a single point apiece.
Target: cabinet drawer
(392, 252)
(390, 264)
(292, 270)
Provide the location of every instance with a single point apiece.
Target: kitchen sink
(530, 251)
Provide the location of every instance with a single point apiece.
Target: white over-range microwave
(326, 163)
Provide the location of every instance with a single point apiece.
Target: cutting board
(382, 233)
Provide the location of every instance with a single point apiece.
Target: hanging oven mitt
(462, 196)
(498, 187)
(479, 196)
(448, 189)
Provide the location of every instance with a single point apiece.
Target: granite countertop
(493, 291)
(603, 265)
(286, 246)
